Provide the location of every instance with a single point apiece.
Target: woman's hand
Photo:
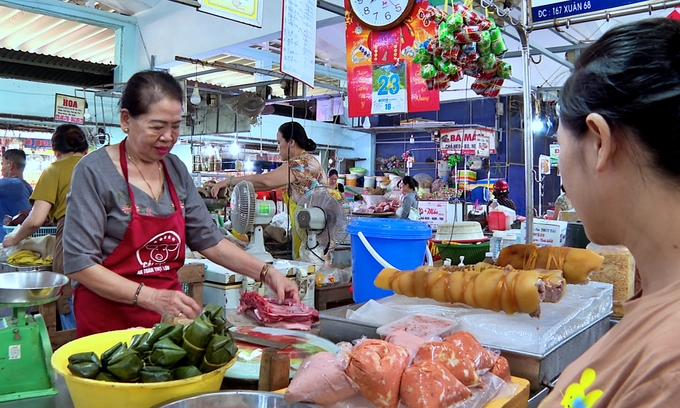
(10, 240)
(284, 287)
(214, 191)
(171, 302)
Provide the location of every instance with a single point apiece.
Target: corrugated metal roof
(46, 68)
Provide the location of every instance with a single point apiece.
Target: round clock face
(381, 14)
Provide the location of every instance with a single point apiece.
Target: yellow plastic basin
(91, 393)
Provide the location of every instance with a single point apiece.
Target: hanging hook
(649, 7)
(608, 16)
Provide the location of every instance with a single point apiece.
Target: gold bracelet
(263, 273)
(139, 289)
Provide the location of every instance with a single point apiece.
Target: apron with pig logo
(151, 252)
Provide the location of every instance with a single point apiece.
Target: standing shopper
(619, 137)
(133, 209)
(14, 190)
(49, 200)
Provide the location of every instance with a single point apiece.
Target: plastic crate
(41, 232)
(473, 253)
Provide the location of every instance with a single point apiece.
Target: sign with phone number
(542, 10)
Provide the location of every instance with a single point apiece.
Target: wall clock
(381, 14)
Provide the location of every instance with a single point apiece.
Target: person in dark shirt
(14, 190)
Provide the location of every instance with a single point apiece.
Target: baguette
(576, 263)
(492, 288)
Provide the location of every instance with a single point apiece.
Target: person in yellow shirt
(49, 200)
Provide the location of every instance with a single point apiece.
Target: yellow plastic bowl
(90, 393)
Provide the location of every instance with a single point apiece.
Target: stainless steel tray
(236, 399)
(536, 368)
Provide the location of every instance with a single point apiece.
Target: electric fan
(321, 215)
(249, 214)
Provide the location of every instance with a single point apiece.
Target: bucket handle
(382, 260)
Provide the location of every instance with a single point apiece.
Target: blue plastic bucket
(402, 243)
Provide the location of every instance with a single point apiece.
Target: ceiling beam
(554, 50)
(256, 54)
(251, 70)
(330, 7)
(535, 47)
(565, 36)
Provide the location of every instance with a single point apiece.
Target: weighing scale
(25, 350)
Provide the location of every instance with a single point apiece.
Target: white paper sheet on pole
(298, 42)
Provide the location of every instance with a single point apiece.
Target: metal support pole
(528, 134)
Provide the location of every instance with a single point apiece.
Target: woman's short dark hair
(332, 172)
(295, 131)
(69, 138)
(631, 77)
(145, 88)
(411, 182)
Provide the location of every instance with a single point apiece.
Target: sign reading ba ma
(542, 10)
(69, 109)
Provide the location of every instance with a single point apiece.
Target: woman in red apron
(125, 234)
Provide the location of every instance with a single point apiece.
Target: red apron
(151, 252)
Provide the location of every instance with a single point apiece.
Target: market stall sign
(477, 141)
(542, 10)
(369, 51)
(433, 212)
(69, 109)
(247, 12)
(554, 154)
(553, 233)
(298, 40)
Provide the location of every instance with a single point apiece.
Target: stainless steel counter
(61, 400)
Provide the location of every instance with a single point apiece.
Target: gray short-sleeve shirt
(98, 210)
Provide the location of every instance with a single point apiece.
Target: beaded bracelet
(139, 289)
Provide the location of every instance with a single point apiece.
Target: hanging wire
(500, 12)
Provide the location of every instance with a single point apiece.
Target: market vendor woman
(132, 210)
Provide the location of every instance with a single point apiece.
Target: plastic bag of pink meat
(404, 371)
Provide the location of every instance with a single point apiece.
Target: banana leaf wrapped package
(175, 335)
(86, 365)
(104, 376)
(165, 353)
(151, 374)
(219, 352)
(126, 365)
(196, 338)
(181, 373)
(138, 340)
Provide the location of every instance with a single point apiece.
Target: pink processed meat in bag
(406, 340)
(466, 344)
(457, 364)
(429, 385)
(376, 366)
(320, 380)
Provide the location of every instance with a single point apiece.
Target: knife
(247, 338)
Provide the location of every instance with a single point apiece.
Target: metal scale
(25, 350)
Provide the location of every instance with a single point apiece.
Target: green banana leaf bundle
(181, 373)
(165, 353)
(137, 341)
(212, 311)
(175, 335)
(219, 352)
(104, 376)
(196, 338)
(126, 365)
(85, 365)
(151, 374)
(106, 356)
